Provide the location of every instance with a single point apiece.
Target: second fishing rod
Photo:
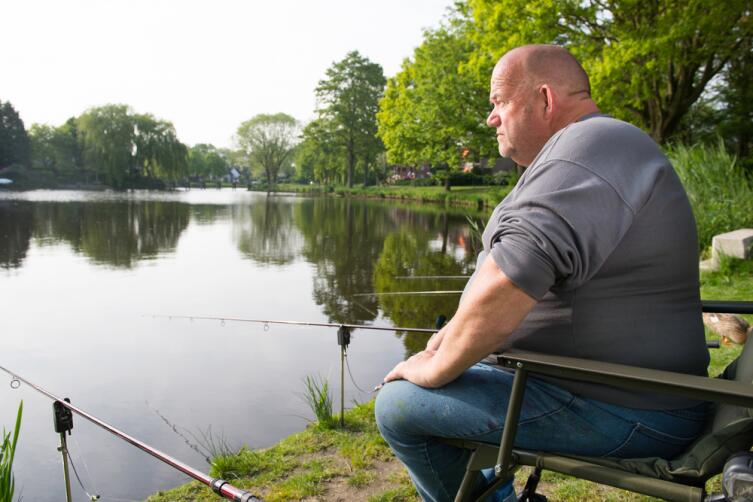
(343, 336)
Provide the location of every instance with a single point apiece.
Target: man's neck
(576, 112)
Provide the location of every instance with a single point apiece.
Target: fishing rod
(432, 277)
(295, 323)
(64, 423)
(343, 337)
(413, 293)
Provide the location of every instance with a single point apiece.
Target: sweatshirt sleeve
(558, 228)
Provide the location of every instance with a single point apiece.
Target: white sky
(205, 66)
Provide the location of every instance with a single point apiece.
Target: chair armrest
(631, 377)
(727, 307)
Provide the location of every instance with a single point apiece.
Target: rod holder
(343, 340)
(63, 418)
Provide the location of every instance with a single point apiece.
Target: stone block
(736, 244)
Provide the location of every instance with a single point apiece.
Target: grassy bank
(354, 463)
(479, 197)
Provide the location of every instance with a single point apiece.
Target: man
(593, 254)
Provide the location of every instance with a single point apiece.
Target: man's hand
(413, 369)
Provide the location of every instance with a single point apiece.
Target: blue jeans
(552, 419)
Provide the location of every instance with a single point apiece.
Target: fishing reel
(737, 479)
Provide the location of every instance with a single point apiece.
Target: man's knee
(392, 407)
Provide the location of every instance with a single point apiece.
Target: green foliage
(7, 454)
(719, 191)
(432, 110)
(318, 397)
(207, 162)
(348, 102)
(320, 155)
(648, 62)
(267, 141)
(14, 141)
(121, 146)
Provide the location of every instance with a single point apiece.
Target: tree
(158, 152)
(349, 100)
(648, 61)
(121, 145)
(56, 149)
(206, 161)
(14, 142)
(320, 153)
(736, 94)
(107, 133)
(432, 111)
(268, 141)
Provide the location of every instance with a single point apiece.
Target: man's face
(515, 118)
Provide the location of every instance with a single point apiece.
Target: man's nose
(492, 120)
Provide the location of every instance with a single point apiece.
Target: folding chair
(730, 429)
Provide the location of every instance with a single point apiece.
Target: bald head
(532, 65)
(536, 90)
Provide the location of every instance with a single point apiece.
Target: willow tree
(107, 133)
(121, 145)
(349, 99)
(268, 142)
(158, 152)
(648, 61)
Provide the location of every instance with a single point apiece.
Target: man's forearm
(492, 308)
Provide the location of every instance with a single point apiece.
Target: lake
(88, 281)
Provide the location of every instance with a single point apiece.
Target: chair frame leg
(502, 470)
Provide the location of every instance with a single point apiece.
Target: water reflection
(355, 247)
(408, 253)
(115, 234)
(15, 233)
(266, 232)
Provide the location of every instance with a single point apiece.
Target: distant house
(232, 176)
(400, 173)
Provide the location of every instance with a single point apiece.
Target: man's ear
(547, 96)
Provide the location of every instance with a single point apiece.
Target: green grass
(479, 197)
(298, 466)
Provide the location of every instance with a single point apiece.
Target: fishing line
(78, 478)
(86, 469)
(347, 365)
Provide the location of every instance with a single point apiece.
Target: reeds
(318, 397)
(719, 190)
(7, 453)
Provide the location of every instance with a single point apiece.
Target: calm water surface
(82, 275)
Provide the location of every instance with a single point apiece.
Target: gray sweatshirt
(600, 231)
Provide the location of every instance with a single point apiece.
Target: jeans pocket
(644, 441)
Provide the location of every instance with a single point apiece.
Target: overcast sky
(206, 66)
